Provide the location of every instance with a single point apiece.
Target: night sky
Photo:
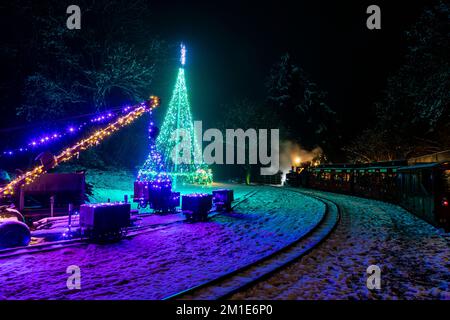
(232, 46)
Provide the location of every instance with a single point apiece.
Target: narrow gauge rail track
(130, 233)
(159, 226)
(225, 286)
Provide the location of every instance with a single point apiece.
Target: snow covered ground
(114, 185)
(162, 262)
(414, 258)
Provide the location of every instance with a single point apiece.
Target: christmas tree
(153, 167)
(180, 162)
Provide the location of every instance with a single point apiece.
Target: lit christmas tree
(153, 167)
(182, 163)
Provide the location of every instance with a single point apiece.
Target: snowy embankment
(159, 263)
(414, 258)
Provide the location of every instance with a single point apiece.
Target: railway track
(131, 232)
(241, 279)
(8, 253)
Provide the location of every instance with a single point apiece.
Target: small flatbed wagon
(222, 199)
(196, 206)
(105, 221)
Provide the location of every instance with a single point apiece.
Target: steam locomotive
(420, 185)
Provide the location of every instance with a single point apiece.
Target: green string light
(179, 116)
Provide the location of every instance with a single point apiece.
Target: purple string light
(46, 139)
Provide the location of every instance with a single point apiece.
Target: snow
(162, 262)
(414, 258)
(114, 185)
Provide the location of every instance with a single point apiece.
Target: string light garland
(153, 168)
(84, 144)
(69, 131)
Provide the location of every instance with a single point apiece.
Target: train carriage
(425, 190)
(376, 182)
(338, 179)
(421, 188)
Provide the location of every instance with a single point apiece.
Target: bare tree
(111, 59)
(301, 105)
(413, 116)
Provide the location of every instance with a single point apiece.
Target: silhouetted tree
(301, 105)
(414, 113)
(112, 59)
(62, 73)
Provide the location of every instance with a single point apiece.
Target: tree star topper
(183, 54)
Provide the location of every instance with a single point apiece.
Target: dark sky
(232, 45)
